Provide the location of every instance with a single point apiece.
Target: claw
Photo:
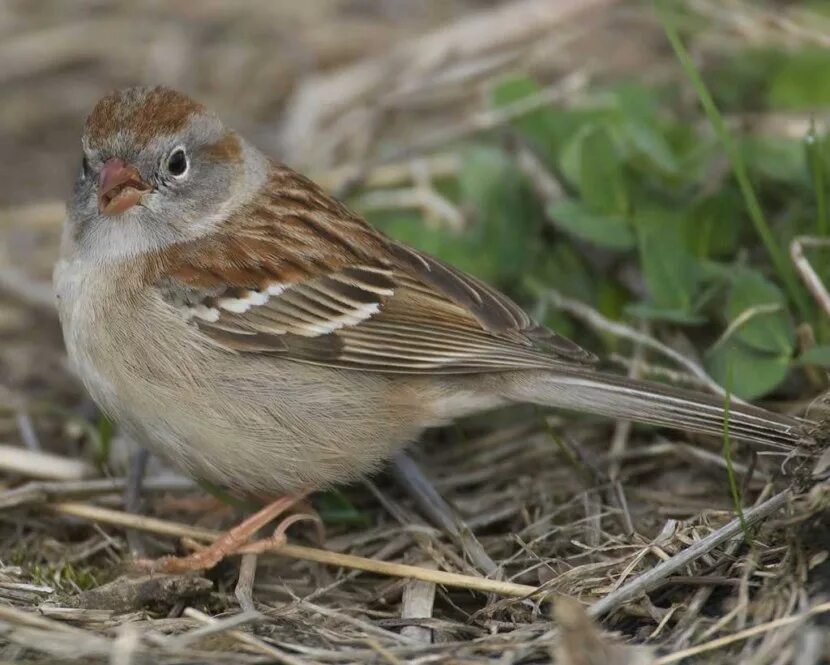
(234, 541)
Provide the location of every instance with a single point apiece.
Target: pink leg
(278, 537)
(232, 541)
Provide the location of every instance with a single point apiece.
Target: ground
(534, 143)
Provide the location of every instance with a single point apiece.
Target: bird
(230, 315)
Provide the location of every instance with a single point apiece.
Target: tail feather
(657, 404)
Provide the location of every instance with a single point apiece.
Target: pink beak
(120, 187)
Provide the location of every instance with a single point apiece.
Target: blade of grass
(815, 163)
(779, 259)
(727, 455)
(814, 145)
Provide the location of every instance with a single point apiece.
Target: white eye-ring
(177, 163)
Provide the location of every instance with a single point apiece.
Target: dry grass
(639, 528)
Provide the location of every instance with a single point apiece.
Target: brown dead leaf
(581, 642)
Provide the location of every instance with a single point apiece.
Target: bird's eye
(177, 163)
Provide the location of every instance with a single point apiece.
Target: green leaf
(334, 508)
(103, 441)
(508, 217)
(570, 157)
(671, 272)
(458, 249)
(637, 128)
(645, 139)
(775, 158)
(609, 231)
(636, 100)
(713, 224)
(565, 269)
(758, 312)
(601, 182)
(641, 129)
(817, 355)
(547, 128)
(501, 244)
(539, 125)
(225, 496)
(753, 373)
(644, 310)
(800, 82)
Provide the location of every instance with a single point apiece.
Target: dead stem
(164, 527)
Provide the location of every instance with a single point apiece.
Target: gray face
(188, 177)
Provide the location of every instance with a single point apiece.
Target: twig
(743, 318)
(392, 174)
(390, 548)
(488, 119)
(411, 64)
(593, 318)
(125, 645)
(702, 595)
(742, 634)
(428, 201)
(810, 646)
(709, 457)
(36, 464)
(278, 655)
(362, 625)
(164, 527)
(652, 578)
(806, 271)
(32, 620)
(27, 431)
(546, 186)
(213, 627)
(44, 491)
(761, 24)
(244, 590)
(417, 603)
(436, 205)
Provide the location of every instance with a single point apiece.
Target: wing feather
(302, 278)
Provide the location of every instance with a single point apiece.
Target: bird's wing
(301, 277)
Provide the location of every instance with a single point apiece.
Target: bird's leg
(278, 537)
(304, 507)
(417, 484)
(132, 498)
(244, 590)
(233, 541)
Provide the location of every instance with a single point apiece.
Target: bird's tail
(657, 404)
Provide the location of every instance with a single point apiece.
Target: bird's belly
(252, 423)
(278, 429)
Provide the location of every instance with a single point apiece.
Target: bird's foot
(233, 541)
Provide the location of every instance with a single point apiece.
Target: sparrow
(233, 317)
